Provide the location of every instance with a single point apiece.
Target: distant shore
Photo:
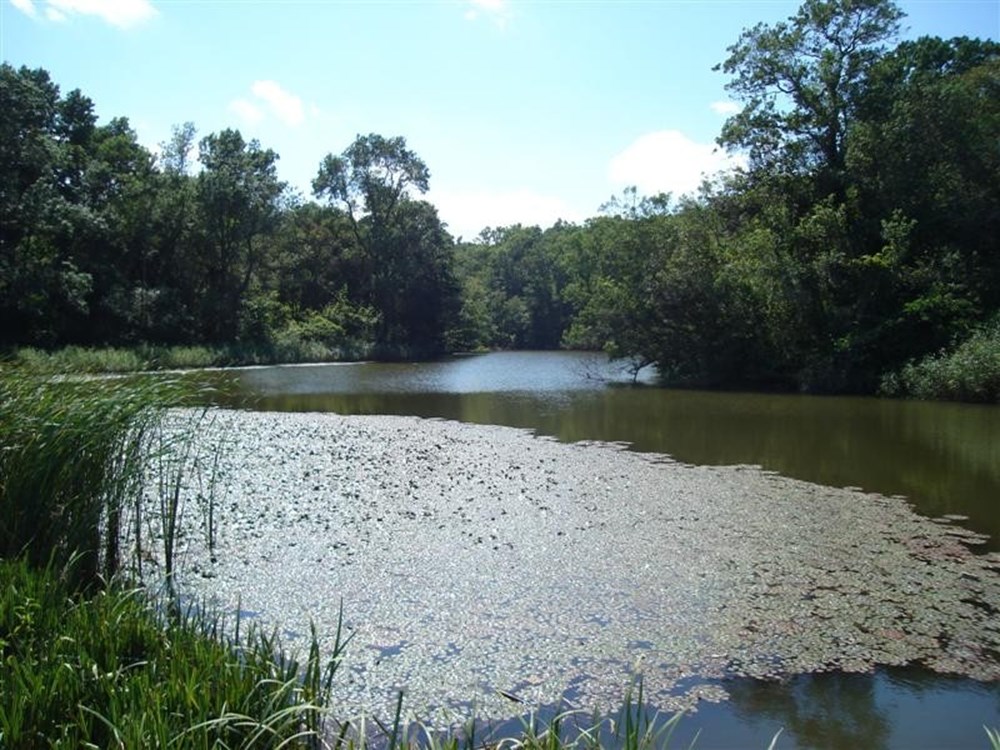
(474, 559)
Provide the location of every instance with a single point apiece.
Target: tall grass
(109, 670)
(145, 357)
(72, 456)
(88, 661)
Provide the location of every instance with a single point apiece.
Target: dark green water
(944, 457)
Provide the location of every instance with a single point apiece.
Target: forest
(858, 252)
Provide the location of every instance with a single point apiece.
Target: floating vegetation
(481, 562)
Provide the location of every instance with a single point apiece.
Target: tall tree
(239, 197)
(45, 220)
(371, 181)
(799, 82)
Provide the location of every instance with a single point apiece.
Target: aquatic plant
(111, 670)
(73, 457)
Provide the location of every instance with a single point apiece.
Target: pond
(945, 458)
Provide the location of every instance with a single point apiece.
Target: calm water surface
(945, 458)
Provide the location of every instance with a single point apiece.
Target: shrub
(968, 372)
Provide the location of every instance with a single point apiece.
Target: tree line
(860, 240)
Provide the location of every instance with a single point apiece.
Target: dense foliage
(861, 238)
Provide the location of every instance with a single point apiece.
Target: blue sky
(523, 111)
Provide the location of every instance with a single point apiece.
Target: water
(945, 458)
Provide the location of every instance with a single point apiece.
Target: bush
(968, 372)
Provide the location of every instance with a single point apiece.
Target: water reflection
(830, 711)
(892, 709)
(944, 457)
(886, 710)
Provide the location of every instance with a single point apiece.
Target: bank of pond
(942, 457)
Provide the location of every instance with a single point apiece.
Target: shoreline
(474, 559)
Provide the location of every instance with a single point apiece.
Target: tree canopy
(860, 241)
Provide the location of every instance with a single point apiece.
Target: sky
(524, 112)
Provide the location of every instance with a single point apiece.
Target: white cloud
(25, 6)
(121, 13)
(270, 98)
(667, 161)
(498, 11)
(467, 213)
(247, 111)
(54, 15)
(287, 107)
(725, 108)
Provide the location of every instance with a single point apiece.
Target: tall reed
(72, 456)
(109, 670)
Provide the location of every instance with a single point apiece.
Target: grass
(147, 357)
(72, 457)
(89, 657)
(108, 669)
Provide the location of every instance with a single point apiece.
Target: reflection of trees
(818, 711)
(942, 456)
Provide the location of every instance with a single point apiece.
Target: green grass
(73, 453)
(285, 350)
(110, 670)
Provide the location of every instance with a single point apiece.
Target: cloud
(247, 111)
(467, 213)
(498, 11)
(25, 6)
(121, 13)
(725, 108)
(667, 161)
(287, 107)
(270, 98)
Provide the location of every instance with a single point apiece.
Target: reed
(111, 670)
(73, 453)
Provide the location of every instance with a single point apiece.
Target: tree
(175, 154)
(371, 181)
(426, 300)
(314, 257)
(239, 198)
(799, 82)
(45, 221)
(924, 160)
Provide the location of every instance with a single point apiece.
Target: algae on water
(476, 560)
